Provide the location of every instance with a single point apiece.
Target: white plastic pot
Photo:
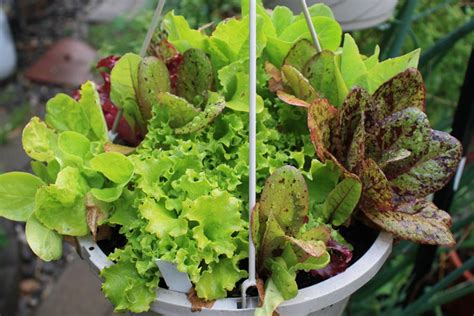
(323, 299)
(7, 48)
(351, 14)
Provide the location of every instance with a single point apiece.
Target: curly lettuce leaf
(125, 288)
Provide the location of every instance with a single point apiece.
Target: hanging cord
(146, 43)
(251, 281)
(312, 30)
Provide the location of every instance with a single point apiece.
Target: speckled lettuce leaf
(285, 196)
(176, 110)
(322, 121)
(17, 195)
(39, 141)
(153, 78)
(433, 170)
(377, 192)
(124, 287)
(400, 92)
(45, 243)
(419, 221)
(324, 75)
(195, 77)
(215, 105)
(296, 84)
(299, 55)
(408, 130)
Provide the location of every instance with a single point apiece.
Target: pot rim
(313, 298)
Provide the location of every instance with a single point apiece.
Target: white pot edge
(320, 296)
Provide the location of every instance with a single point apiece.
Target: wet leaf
(342, 201)
(299, 55)
(285, 196)
(297, 84)
(420, 225)
(324, 75)
(432, 171)
(153, 78)
(216, 104)
(195, 77)
(178, 111)
(377, 192)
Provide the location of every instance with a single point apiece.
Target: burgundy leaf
(340, 258)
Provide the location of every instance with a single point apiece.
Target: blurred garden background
(58, 44)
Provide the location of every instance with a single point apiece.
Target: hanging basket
(352, 15)
(329, 297)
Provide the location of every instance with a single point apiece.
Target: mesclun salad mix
(341, 137)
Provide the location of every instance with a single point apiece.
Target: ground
(65, 287)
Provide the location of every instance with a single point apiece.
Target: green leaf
(63, 113)
(181, 35)
(387, 69)
(195, 77)
(372, 60)
(297, 84)
(124, 88)
(124, 213)
(433, 171)
(177, 110)
(75, 148)
(283, 278)
(342, 201)
(90, 103)
(108, 194)
(319, 9)
(285, 196)
(419, 221)
(329, 32)
(282, 17)
(352, 65)
(299, 55)
(114, 166)
(17, 195)
(218, 217)
(39, 141)
(324, 180)
(325, 76)
(216, 104)
(45, 243)
(61, 207)
(161, 221)
(273, 298)
(126, 289)
(153, 78)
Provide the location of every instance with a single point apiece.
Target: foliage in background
(125, 34)
(431, 21)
